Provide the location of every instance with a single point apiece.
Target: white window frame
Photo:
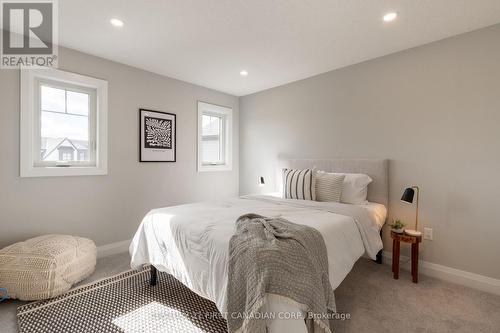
(227, 135)
(30, 165)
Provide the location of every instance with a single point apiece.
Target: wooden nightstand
(396, 245)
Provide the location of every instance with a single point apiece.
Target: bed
(191, 241)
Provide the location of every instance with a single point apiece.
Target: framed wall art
(157, 136)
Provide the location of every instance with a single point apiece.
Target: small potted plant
(398, 226)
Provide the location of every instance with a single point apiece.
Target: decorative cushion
(299, 184)
(46, 266)
(329, 186)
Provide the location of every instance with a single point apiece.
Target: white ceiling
(208, 42)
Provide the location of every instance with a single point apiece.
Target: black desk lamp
(407, 197)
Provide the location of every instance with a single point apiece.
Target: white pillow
(328, 186)
(354, 188)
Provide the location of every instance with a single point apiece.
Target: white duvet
(191, 242)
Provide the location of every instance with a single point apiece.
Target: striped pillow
(299, 184)
(329, 186)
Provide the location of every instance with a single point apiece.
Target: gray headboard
(377, 169)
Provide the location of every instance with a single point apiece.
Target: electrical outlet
(428, 234)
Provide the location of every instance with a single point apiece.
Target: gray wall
(109, 208)
(434, 111)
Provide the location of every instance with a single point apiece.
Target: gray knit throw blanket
(272, 256)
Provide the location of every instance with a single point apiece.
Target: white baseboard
(113, 248)
(445, 273)
(449, 274)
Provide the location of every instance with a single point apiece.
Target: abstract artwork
(158, 133)
(157, 136)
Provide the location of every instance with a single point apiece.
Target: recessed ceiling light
(116, 22)
(243, 73)
(389, 17)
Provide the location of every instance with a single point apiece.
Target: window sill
(63, 171)
(215, 167)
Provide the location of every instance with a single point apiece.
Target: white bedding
(191, 241)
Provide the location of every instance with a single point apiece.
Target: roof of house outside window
(48, 145)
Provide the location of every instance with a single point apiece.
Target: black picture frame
(157, 151)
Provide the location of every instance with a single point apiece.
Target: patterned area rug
(124, 303)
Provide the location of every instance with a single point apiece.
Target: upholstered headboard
(377, 169)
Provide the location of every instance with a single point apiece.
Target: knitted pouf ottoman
(45, 266)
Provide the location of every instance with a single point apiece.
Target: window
(214, 137)
(66, 124)
(65, 155)
(63, 124)
(82, 155)
(212, 145)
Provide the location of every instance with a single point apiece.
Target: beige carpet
(375, 302)
(378, 303)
